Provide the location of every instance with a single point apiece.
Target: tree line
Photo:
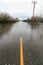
(6, 18)
(34, 19)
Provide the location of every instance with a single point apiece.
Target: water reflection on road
(32, 43)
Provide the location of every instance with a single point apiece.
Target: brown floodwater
(32, 36)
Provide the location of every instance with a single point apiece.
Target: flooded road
(32, 36)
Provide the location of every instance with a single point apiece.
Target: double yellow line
(21, 53)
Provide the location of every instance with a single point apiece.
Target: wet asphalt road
(32, 44)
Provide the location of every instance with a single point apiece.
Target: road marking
(21, 52)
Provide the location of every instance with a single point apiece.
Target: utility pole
(34, 3)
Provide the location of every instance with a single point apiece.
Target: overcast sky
(21, 8)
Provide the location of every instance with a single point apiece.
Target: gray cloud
(20, 7)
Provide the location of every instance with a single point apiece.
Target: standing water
(32, 36)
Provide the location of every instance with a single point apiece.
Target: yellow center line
(21, 52)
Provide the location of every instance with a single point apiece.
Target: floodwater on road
(32, 36)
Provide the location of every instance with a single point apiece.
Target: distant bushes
(34, 20)
(6, 18)
(26, 20)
